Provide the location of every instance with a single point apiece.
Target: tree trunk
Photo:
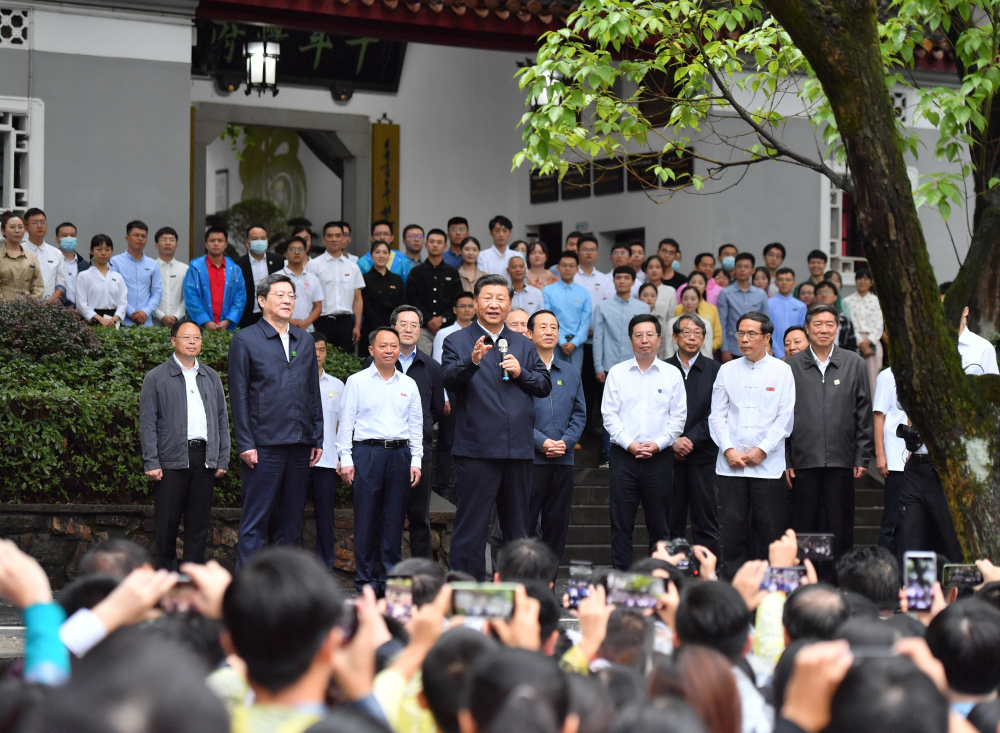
(958, 421)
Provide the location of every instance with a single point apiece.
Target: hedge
(69, 405)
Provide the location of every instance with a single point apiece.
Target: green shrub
(70, 419)
(40, 330)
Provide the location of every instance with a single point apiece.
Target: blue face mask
(67, 244)
(675, 265)
(728, 263)
(258, 246)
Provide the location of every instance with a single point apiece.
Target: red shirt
(217, 282)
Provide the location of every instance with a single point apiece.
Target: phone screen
(399, 597)
(483, 600)
(783, 579)
(581, 573)
(920, 572)
(961, 576)
(633, 590)
(349, 621)
(815, 547)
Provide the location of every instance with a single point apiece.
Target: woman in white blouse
(101, 295)
(660, 308)
(866, 320)
(690, 300)
(654, 269)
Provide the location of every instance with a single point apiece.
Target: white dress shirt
(172, 302)
(373, 408)
(641, 406)
(72, 269)
(887, 403)
(94, 290)
(197, 419)
(438, 349)
(330, 391)
(600, 285)
(52, 264)
(753, 406)
(494, 263)
(977, 353)
(529, 300)
(339, 278)
(822, 364)
(866, 316)
(308, 290)
(258, 269)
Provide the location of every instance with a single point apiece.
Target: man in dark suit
(426, 372)
(256, 264)
(277, 417)
(494, 424)
(695, 452)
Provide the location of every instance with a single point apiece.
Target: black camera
(690, 565)
(910, 436)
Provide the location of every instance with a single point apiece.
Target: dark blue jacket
(275, 400)
(698, 384)
(427, 374)
(493, 418)
(562, 415)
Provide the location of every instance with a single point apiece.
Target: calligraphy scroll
(385, 176)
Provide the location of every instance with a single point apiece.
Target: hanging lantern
(262, 66)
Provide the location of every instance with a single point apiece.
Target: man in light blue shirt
(141, 275)
(612, 344)
(571, 304)
(740, 297)
(786, 311)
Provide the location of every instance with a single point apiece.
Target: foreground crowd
(277, 648)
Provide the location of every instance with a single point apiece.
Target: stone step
(594, 534)
(600, 555)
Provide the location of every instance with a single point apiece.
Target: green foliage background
(69, 405)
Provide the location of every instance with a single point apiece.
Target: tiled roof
(525, 10)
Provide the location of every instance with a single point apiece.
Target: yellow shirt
(20, 276)
(711, 314)
(272, 719)
(398, 700)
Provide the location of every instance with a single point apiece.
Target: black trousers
(550, 501)
(694, 488)
(481, 483)
(757, 505)
(446, 438)
(418, 512)
(924, 518)
(381, 492)
(324, 493)
(823, 500)
(338, 330)
(890, 512)
(633, 482)
(593, 391)
(183, 492)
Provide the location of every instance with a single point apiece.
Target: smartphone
(919, 574)
(399, 597)
(349, 621)
(961, 576)
(784, 579)
(179, 598)
(815, 547)
(633, 590)
(483, 600)
(581, 573)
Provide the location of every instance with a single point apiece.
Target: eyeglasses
(414, 236)
(749, 334)
(188, 338)
(295, 250)
(699, 332)
(285, 296)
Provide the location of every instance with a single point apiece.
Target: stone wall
(59, 535)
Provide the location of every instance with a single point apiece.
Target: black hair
(531, 318)
(497, 674)
(649, 259)
(816, 308)
(698, 258)
(863, 272)
(624, 685)
(301, 228)
(164, 230)
(373, 334)
(817, 254)
(887, 694)
(445, 670)
(252, 227)
(65, 224)
(965, 637)
(868, 631)
(263, 288)
(778, 246)
(644, 318)
(814, 611)
(624, 270)
(943, 287)
(693, 317)
(408, 227)
(827, 284)
(637, 243)
(790, 329)
(625, 637)
(783, 671)
(33, 211)
(668, 240)
(747, 256)
(573, 234)
(662, 715)
(394, 316)
(348, 719)
(298, 239)
(473, 240)
(98, 239)
(524, 712)
(216, 230)
(279, 609)
(990, 593)
(569, 254)
(714, 615)
(174, 329)
(380, 243)
(502, 221)
(548, 612)
(527, 559)
(617, 245)
(647, 565)
(86, 592)
(135, 224)
(648, 285)
(438, 232)
(587, 237)
(338, 224)
(459, 296)
(427, 576)
(906, 626)
(117, 557)
(6, 217)
(861, 607)
(766, 327)
(784, 271)
(345, 226)
(457, 220)
(318, 337)
(727, 244)
(985, 717)
(194, 632)
(765, 271)
(381, 222)
(539, 243)
(591, 703)
(493, 280)
(701, 295)
(870, 571)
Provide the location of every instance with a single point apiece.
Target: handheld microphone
(503, 348)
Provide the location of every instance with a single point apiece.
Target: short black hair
(445, 671)
(727, 244)
(775, 245)
(493, 280)
(652, 258)
(394, 316)
(527, 559)
(965, 637)
(747, 256)
(766, 327)
(502, 221)
(65, 224)
(252, 227)
(459, 296)
(644, 318)
(660, 715)
(98, 239)
(164, 230)
(828, 285)
(714, 615)
(279, 609)
(318, 337)
(699, 257)
(637, 243)
(863, 272)
(408, 227)
(117, 557)
(437, 232)
(808, 284)
(542, 312)
(216, 230)
(298, 239)
(814, 611)
(457, 220)
(872, 572)
(887, 694)
(784, 271)
(990, 593)
(587, 237)
(668, 240)
(135, 224)
(86, 591)
(574, 234)
(548, 611)
(373, 334)
(33, 211)
(625, 637)
(427, 576)
(816, 308)
(790, 329)
(817, 254)
(175, 329)
(569, 254)
(624, 270)
(338, 224)
(497, 674)
(380, 222)
(616, 245)
(942, 288)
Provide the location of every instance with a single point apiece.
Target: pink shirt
(711, 292)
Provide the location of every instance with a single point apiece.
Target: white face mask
(258, 246)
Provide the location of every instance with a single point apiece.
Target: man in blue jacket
(494, 423)
(559, 422)
(277, 417)
(214, 289)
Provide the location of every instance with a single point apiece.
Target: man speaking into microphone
(494, 423)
